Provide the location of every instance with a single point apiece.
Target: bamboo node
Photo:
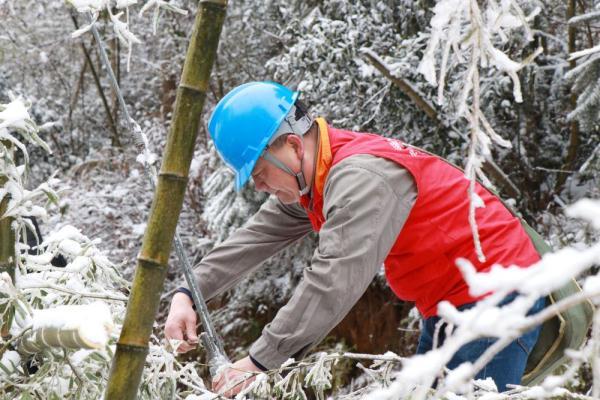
(150, 263)
(136, 348)
(198, 89)
(170, 176)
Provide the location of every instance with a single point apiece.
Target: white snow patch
(10, 360)
(14, 115)
(89, 5)
(146, 157)
(139, 229)
(125, 3)
(80, 263)
(69, 246)
(203, 396)
(586, 209)
(66, 232)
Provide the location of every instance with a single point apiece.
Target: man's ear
(297, 144)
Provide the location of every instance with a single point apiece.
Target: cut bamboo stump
(68, 327)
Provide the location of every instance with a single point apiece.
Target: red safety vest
(421, 265)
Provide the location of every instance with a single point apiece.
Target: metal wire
(211, 340)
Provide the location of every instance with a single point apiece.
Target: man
(373, 201)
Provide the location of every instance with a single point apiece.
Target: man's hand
(181, 322)
(231, 380)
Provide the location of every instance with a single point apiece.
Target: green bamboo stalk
(7, 254)
(132, 347)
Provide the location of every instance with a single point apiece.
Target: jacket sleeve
(367, 201)
(271, 229)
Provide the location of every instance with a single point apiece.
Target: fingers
(235, 378)
(217, 382)
(181, 325)
(190, 330)
(230, 382)
(186, 346)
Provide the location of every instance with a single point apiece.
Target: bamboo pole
(132, 347)
(7, 252)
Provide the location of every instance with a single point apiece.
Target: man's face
(269, 178)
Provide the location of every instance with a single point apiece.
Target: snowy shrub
(66, 319)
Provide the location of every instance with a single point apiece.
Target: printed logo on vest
(396, 144)
(412, 152)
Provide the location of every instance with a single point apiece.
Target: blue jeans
(506, 367)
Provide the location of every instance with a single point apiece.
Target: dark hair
(301, 109)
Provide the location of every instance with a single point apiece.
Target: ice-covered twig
(474, 160)
(488, 166)
(465, 32)
(158, 5)
(14, 117)
(506, 323)
(587, 163)
(58, 288)
(584, 18)
(258, 388)
(319, 376)
(121, 28)
(136, 132)
(586, 52)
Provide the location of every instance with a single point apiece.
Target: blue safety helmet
(244, 122)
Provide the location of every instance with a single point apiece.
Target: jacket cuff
(188, 293)
(265, 355)
(257, 364)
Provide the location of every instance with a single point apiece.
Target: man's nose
(259, 184)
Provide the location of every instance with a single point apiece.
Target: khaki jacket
(367, 199)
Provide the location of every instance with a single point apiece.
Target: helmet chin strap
(298, 127)
(304, 188)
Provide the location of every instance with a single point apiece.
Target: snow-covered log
(68, 327)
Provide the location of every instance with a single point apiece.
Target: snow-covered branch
(466, 36)
(54, 307)
(120, 28)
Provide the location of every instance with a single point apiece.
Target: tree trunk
(132, 348)
(573, 145)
